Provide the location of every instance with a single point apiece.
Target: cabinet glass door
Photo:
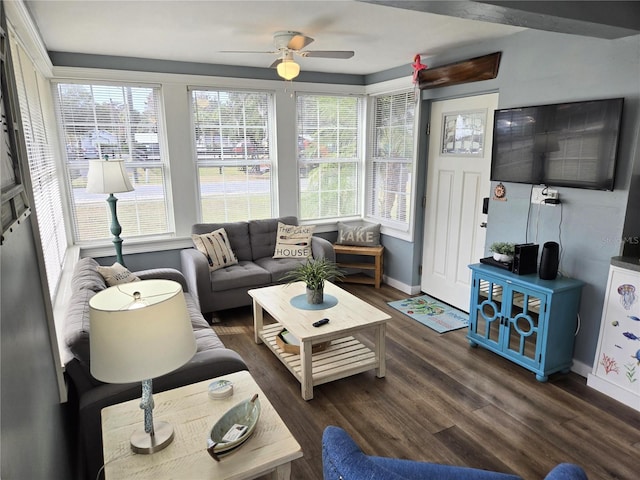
(522, 325)
(489, 311)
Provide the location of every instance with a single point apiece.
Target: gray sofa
(253, 243)
(212, 359)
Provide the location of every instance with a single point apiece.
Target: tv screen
(565, 145)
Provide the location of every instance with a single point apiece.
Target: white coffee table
(270, 449)
(344, 357)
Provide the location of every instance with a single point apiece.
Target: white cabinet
(616, 366)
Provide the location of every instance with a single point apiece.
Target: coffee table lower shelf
(343, 357)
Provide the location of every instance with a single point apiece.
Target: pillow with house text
(293, 241)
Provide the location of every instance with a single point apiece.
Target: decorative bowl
(244, 413)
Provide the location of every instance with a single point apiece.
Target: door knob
(483, 225)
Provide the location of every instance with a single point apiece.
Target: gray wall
(540, 68)
(35, 429)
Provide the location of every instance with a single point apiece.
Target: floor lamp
(110, 176)
(140, 331)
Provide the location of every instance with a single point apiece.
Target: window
(329, 156)
(121, 122)
(232, 132)
(33, 97)
(391, 160)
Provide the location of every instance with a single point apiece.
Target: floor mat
(432, 313)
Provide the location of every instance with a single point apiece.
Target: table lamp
(110, 176)
(139, 331)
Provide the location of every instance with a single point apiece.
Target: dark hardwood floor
(443, 401)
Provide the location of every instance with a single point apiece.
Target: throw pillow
(216, 248)
(116, 274)
(361, 236)
(293, 241)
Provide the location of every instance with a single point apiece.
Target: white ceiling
(197, 31)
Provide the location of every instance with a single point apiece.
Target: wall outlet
(538, 197)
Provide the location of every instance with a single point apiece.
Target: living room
(537, 68)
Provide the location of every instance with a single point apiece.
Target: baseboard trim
(403, 287)
(581, 368)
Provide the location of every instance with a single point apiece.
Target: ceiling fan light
(288, 69)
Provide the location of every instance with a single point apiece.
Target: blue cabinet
(530, 321)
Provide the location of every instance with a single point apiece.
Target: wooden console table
(376, 266)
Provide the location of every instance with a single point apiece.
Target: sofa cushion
(206, 338)
(216, 248)
(117, 274)
(264, 235)
(278, 267)
(243, 274)
(86, 276)
(293, 241)
(237, 233)
(76, 331)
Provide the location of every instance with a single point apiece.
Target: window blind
(33, 93)
(119, 122)
(391, 160)
(329, 155)
(232, 135)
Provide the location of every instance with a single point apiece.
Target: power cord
(99, 472)
(526, 232)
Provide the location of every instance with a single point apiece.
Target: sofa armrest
(164, 274)
(322, 248)
(196, 271)
(203, 366)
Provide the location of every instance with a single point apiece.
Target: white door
(459, 165)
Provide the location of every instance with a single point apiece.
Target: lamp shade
(107, 176)
(139, 330)
(288, 69)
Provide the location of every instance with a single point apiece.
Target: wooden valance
(472, 70)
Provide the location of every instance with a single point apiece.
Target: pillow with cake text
(216, 248)
(361, 236)
(293, 241)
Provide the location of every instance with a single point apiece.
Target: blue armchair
(342, 459)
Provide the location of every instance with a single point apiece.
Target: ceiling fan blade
(298, 42)
(247, 51)
(328, 53)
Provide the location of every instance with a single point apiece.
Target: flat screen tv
(565, 145)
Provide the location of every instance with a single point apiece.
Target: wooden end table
(377, 265)
(191, 412)
(345, 355)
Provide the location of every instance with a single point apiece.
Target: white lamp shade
(137, 340)
(107, 176)
(288, 69)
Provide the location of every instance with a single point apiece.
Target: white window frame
(41, 142)
(103, 247)
(271, 134)
(360, 162)
(393, 87)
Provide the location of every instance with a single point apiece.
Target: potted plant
(313, 273)
(502, 251)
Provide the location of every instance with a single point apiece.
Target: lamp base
(142, 442)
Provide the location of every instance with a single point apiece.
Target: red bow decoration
(417, 66)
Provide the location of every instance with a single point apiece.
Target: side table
(377, 265)
(191, 412)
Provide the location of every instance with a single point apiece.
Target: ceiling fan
(290, 43)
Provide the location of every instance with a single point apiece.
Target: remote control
(319, 323)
